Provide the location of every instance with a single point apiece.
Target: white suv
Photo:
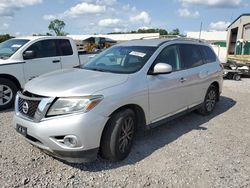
(75, 113)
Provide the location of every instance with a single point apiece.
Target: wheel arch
(13, 79)
(139, 113)
(140, 121)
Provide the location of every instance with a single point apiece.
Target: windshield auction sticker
(138, 54)
(16, 46)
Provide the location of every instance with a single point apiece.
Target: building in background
(83, 41)
(238, 39)
(212, 37)
(119, 37)
(92, 44)
(217, 39)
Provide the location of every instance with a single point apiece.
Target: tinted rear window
(208, 54)
(65, 47)
(190, 56)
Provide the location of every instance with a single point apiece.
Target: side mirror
(30, 54)
(162, 68)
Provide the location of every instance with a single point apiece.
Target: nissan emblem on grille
(25, 107)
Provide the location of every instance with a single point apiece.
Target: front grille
(28, 107)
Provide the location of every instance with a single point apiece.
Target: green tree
(152, 30)
(175, 31)
(57, 26)
(5, 37)
(39, 34)
(163, 32)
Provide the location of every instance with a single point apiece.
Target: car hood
(73, 82)
(2, 61)
(6, 61)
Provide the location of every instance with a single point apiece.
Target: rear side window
(170, 56)
(190, 56)
(44, 48)
(208, 54)
(65, 47)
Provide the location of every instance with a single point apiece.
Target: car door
(196, 73)
(44, 59)
(68, 58)
(167, 91)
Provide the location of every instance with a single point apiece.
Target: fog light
(70, 141)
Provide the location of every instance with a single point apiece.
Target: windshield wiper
(95, 69)
(4, 57)
(99, 70)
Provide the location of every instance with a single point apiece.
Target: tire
(230, 76)
(118, 135)
(237, 77)
(210, 101)
(8, 92)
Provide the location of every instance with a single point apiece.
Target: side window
(170, 56)
(65, 47)
(190, 56)
(208, 54)
(44, 48)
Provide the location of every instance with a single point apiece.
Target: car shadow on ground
(151, 140)
(6, 111)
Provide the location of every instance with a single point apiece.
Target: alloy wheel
(211, 100)
(6, 94)
(127, 132)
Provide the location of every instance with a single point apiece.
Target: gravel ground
(191, 151)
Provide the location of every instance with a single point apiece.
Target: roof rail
(189, 39)
(178, 37)
(182, 39)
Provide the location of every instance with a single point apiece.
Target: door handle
(56, 61)
(183, 80)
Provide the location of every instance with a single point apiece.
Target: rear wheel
(210, 101)
(237, 77)
(118, 135)
(8, 92)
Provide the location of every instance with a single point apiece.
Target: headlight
(73, 104)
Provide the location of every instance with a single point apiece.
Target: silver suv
(74, 114)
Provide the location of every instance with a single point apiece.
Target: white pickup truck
(22, 59)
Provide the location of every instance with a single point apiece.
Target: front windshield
(9, 47)
(121, 59)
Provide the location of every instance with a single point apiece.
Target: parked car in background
(75, 113)
(22, 59)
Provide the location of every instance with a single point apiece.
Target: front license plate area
(22, 130)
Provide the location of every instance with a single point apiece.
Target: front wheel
(118, 135)
(209, 102)
(8, 91)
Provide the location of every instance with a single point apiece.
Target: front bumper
(48, 135)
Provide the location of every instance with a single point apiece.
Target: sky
(27, 17)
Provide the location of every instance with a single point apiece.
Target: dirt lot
(191, 151)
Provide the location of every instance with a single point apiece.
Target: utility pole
(200, 31)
